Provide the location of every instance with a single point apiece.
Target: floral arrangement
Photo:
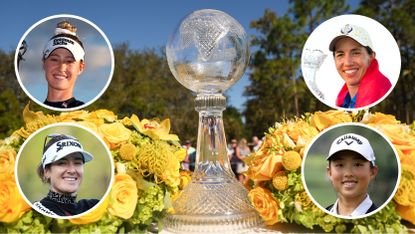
(147, 177)
(274, 179)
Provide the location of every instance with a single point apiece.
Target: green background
(97, 173)
(314, 170)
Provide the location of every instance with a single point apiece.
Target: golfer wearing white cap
(63, 61)
(62, 166)
(356, 63)
(351, 167)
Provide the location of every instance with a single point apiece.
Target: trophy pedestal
(214, 204)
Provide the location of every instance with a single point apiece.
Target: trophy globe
(208, 53)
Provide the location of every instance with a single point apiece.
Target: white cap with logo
(355, 32)
(63, 148)
(355, 143)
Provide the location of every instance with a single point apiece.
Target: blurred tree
(277, 89)
(234, 128)
(398, 17)
(12, 97)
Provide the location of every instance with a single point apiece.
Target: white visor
(64, 42)
(63, 148)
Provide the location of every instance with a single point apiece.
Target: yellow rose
(153, 129)
(399, 135)
(94, 215)
(74, 115)
(114, 134)
(7, 159)
(323, 120)
(264, 168)
(265, 204)
(379, 118)
(12, 205)
(407, 212)
(90, 125)
(299, 131)
(106, 115)
(127, 122)
(123, 196)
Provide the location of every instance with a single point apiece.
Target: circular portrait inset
(351, 62)
(64, 170)
(351, 171)
(64, 62)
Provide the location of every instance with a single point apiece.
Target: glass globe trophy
(208, 53)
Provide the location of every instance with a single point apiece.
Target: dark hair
(368, 50)
(41, 172)
(333, 157)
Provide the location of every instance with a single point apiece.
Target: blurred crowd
(237, 151)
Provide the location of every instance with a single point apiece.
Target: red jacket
(373, 86)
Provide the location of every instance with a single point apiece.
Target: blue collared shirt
(349, 102)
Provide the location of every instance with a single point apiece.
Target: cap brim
(86, 155)
(335, 40)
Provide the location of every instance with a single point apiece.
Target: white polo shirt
(360, 210)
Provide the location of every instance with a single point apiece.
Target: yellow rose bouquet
(147, 176)
(274, 175)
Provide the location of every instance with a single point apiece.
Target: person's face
(352, 60)
(350, 175)
(66, 174)
(61, 70)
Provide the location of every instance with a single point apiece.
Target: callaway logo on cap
(63, 148)
(355, 32)
(355, 143)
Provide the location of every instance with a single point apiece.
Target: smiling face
(65, 175)
(61, 71)
(350, 175)
(352, 61)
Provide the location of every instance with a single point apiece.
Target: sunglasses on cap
(49, 137)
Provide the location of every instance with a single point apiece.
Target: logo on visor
(60, 145)
(348, 137)
(62, 41)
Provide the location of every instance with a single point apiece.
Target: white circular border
(16, 69)
(342, 216)
(385, 46)
(106, 194)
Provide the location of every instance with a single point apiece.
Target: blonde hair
(67, 25)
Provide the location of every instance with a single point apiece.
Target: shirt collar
(360, 210)
(349, 102)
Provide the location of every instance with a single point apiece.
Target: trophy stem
(214, 201)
